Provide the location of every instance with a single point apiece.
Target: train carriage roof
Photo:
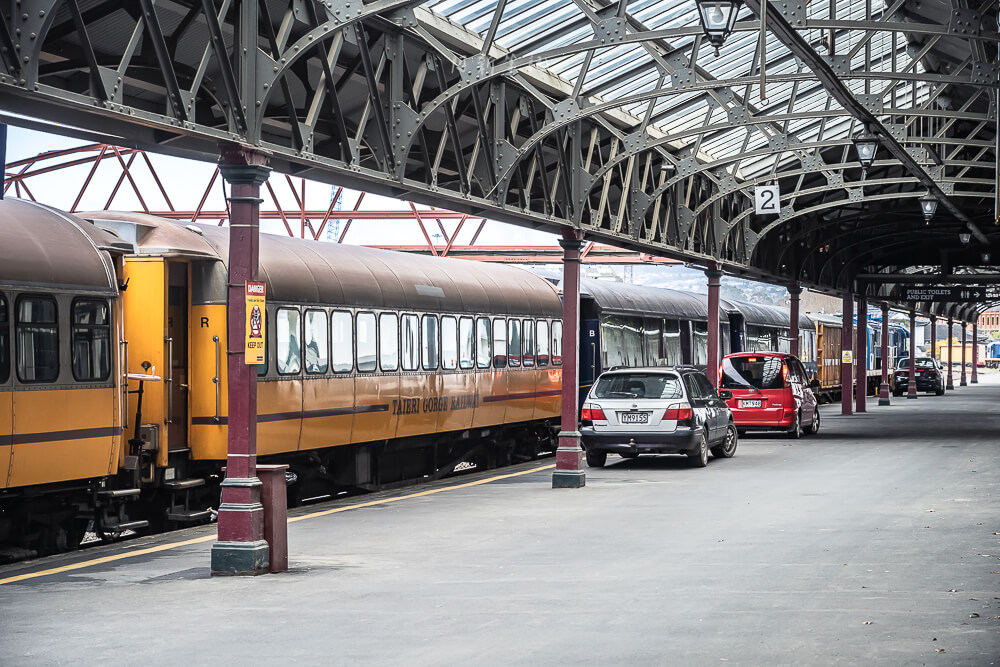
(827, 320)
(769, 316)
(48, 248)
(646, 301)
(312, 272)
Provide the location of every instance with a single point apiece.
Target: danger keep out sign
(255, 343)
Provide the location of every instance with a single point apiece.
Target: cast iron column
(911, 389)
(241, 549)
(975, 351)
(794, 295)
(569, 473)
(847, 367)
(713, 274)
(965, 341)
(951, 382)
(861, 394)
(883, 389)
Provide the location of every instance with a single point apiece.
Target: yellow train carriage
(381, 368)
(60, 400)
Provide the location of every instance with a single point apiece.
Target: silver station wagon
(658, 410)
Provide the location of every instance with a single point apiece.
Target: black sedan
(929, 376)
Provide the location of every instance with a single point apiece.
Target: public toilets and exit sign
(952, 293)
(255, 340)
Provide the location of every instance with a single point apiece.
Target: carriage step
(118, 493)
(127, 525)
(188, 515)
(183, 484)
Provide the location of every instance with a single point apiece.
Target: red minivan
(771, 392)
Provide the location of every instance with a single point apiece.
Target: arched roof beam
(798, 45)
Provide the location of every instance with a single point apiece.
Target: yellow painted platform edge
(210, 538)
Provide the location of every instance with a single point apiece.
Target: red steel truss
(298, 220)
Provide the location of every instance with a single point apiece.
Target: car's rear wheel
(728, 447)
(940, 390)
(597, 459)
(814, 427)
(699, 457)
(796, 430)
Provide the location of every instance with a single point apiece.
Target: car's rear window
(922, 364)
(763, 372)
(638, 385)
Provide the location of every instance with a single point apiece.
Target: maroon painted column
(241, 548)
(794, 296)
(975, 352)
(861, 355)
(883, 389)
(965, 343)
(911, 388)
(846, 359)
(569, 473)
(714, 275)
(951, 382)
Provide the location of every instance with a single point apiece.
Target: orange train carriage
(381, 369)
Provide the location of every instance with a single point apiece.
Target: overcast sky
(185, 182)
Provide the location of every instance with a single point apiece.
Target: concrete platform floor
(875, 543)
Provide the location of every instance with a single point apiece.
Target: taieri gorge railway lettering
(412, 406)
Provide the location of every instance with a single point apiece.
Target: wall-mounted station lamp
(928, 206)
(964, 237)
(718, 18)
(866, 144)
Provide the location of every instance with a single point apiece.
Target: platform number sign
(766, 199)
(256, 294)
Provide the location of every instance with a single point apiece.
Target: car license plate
(752, 403)
(634, 417)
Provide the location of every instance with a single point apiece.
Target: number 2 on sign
(767, 199)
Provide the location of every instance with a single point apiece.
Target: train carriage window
(411, 342)
(317, 356)
(91, 344)
(514, 342)
(342, 358)
(388, 349)
(543, 343)
(652, 342)
(700, 343)
(449, 343)
(557, 342)
(367, 338)
(466, 343)
(429, 340)
(37, 340)
(262, 368)
(484, 343)
(672, 343)
(499, 343)
(4, 342)
(289, 336)
(528, 343)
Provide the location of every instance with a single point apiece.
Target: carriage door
(177, 352)
(590, 360)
